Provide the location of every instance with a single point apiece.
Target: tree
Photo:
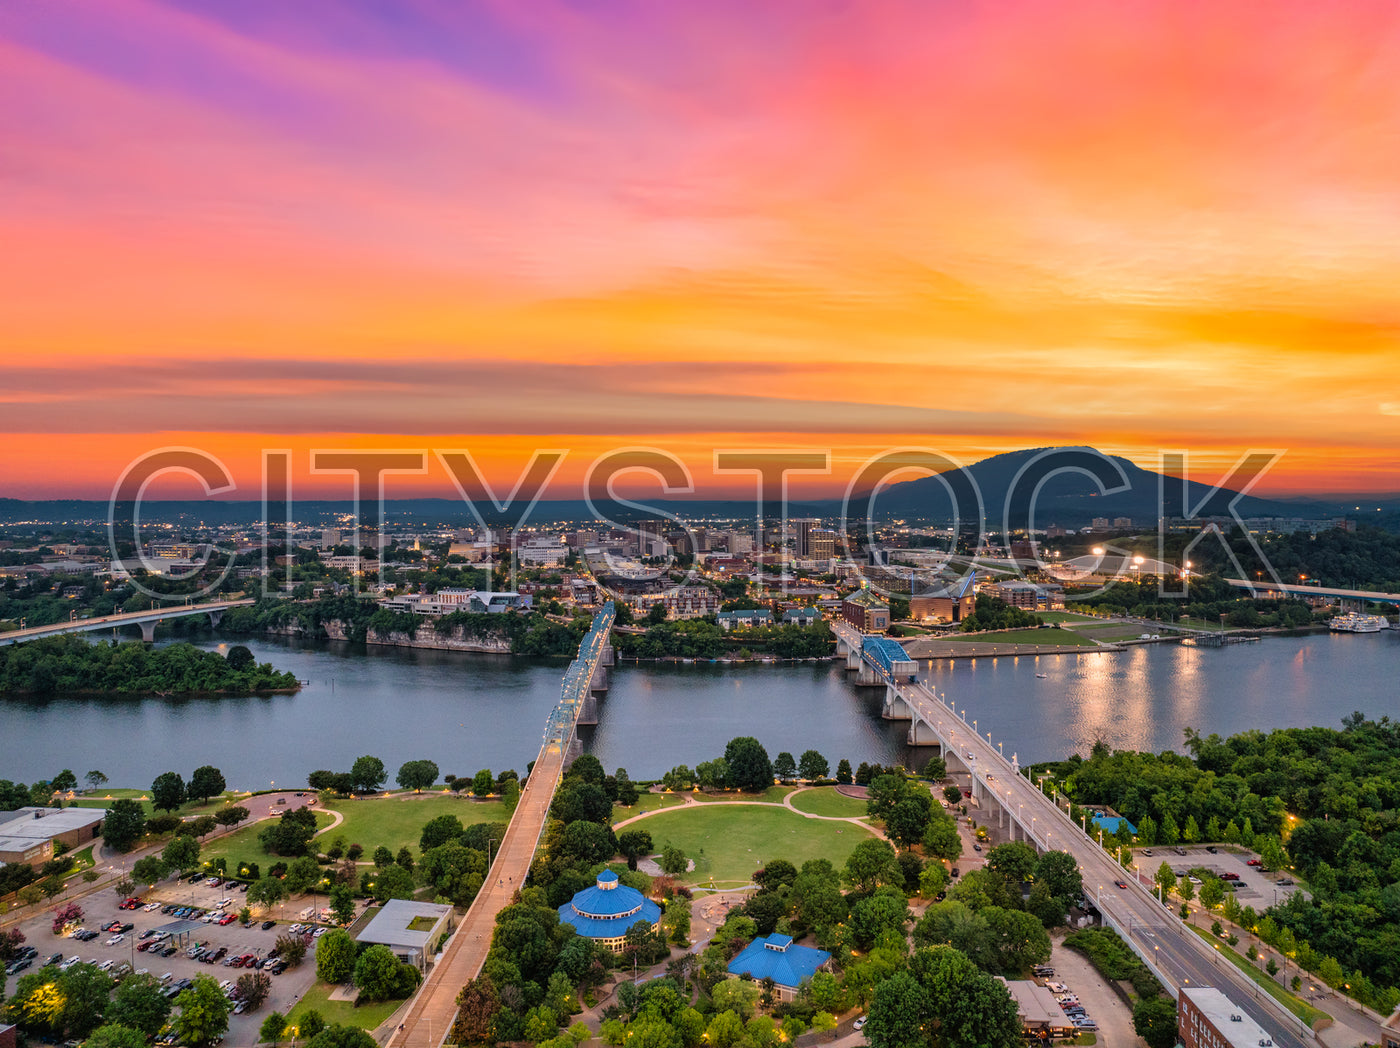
(381, 976)
(95, 779)
(1059, 873)
(139, 1004)
(871, 864)
(240, 660)
(271, 1029)
(266, 891)
(310, 1025)
(341, 1037)
(302, 875)
(626, 788)
(335, 957)
(906, 822)
(952, 794)
(1018, 937)
(203, 1012)
(343, 901)
(149, 870)
(124, 887)
(633, 844)
(231, 815)
(291, 948)
(436, 832)
(168, 791)
(114, 1035)
(749, 766)
(253, 988)
(417, 775)
(206, 782)
(393, 883)
(123, 824)
(64, 781)
(65, 916)
(1190, 833)
(1165, 878)
(1154, 1020)
(1212, 891)
(182, 853)
(941, 837)
(367, 773)
(673, 860)
(384, 857)
(843, 772)
(784, 766)
(812, 766)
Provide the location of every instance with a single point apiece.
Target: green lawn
(1064, 616)
(1296, 1005)
(1110, 631)
(398, 821)
(242, 845)
(647, 802)
(824, 800)
(772, 795)
(1049, 638)
(341, 1013)
(727, 843)
(106, 797)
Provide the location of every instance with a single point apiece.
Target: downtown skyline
(502, 227)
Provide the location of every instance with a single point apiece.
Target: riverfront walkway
(433, 1009)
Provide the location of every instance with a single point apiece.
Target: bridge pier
(215, 617)
(600, 679)
(920, 734)
(853, 659)
(148, 631)
(868, 676)
(895, 708)
(588, 714)
(842, 648)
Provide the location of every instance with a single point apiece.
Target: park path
(688, 801)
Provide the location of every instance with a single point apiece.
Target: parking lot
(1113, 1017)
(149, 922)
(1253, 887)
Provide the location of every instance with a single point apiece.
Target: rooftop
(608, 908)
(1234, 1025)
(390, 926)
(778, 958)
(43, 823)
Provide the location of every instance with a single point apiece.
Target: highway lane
(1179, 955)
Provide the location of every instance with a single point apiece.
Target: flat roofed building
(1206, 1018)
(1038, 1007)
(24, 851)
(69, 826)
(411, 930)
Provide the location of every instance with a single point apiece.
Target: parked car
(1254, 862)
(268, 924)
(859, 1024)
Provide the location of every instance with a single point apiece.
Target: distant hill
(1072, 499)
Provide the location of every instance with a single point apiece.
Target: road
(127, 618)
(1179, 955)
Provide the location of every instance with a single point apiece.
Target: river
(468, 711)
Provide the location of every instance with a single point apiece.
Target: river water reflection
(468, 711)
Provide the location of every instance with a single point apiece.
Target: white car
(119, 937)
(859, 1024)
(318, 933)
(295, 929)
(68, 964)
(106, 965)
(151, 907)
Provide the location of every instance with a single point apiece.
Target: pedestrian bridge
(145, 619)
(432, 1011)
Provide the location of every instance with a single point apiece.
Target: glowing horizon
(970, 227)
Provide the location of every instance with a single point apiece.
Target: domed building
(605, 911)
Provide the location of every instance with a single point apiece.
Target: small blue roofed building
(779, 958)
(1110, 823)
(605, 911)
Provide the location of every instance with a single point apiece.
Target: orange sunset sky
(974, 226)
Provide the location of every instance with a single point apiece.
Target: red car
(1121, 884)
(226, 919)
(1254, 862)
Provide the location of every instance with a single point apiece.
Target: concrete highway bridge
(1178, 956)
(434, 1007)
(1351, 599)
(145, 619)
